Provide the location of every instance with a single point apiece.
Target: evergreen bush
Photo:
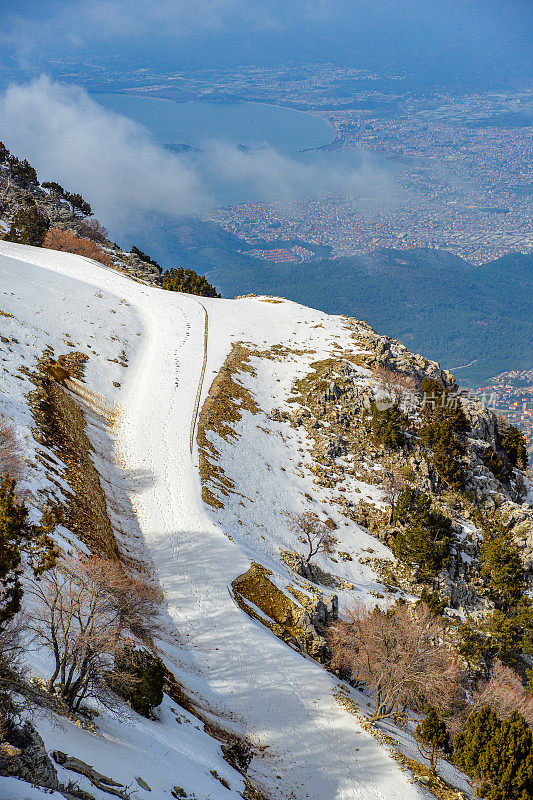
(29, 226)
(498, 754)
(443, 419)
(145, 690)
(513, 444)
(432, 738)
(19, 537)
(426, 535)
(188, 281)
(388, 426)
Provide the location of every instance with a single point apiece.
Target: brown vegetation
(503, 692)
(82, 608)
(62, 428)
(401, 655)
(58, 239)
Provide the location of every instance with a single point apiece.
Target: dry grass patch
(222, 409)
(61, 427)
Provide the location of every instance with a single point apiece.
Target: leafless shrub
(11, 458)
(316, 535)
(393, 485)
(135, 603)
(396, 384)
(93, 229)
(83, 607)
(401, 655)
(58, 239)
(504, 693)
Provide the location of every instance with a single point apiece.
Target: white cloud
(116, 165)
(111, 160)
(279, 178)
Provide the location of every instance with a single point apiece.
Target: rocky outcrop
(519, 522)
(301, 623)
(382, 351)
(26, 758)
(333, 403)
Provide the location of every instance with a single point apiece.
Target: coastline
(202, 101)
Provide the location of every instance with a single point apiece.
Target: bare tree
(11, 458)
(82, 608)
(401, 655)
(393, 485)
(135, 603)
(504, 693)
(314, 534)
(396, 384)
(94, 230)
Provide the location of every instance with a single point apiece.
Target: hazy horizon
(447, 42)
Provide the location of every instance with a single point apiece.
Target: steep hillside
(241, 676)
(214, 425)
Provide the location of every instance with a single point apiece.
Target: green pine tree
(497, 754)
(502, 569)
(188, 281)
(388, 426)
(425, 536)
(507, 761)
(513, 444)
(19, 537)
(432, 738)
(29, 226)
(470, 745)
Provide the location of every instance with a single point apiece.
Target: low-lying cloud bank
(111, 160)
(115, 163)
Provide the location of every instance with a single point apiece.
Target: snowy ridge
(235, 668)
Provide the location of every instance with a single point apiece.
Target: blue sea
(248, 124)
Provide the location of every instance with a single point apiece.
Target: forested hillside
(432, 300)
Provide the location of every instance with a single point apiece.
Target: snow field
(236, 669)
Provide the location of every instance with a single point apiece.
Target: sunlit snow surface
(238, 671)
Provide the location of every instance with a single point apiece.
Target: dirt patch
(60, 426)
(283, 614)
(222, 409)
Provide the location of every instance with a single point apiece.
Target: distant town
(511, 395)
(461, 162)
(462, 167)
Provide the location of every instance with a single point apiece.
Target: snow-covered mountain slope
(241, 675)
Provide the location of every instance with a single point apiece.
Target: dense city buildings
(458, 164)
(511, 395)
